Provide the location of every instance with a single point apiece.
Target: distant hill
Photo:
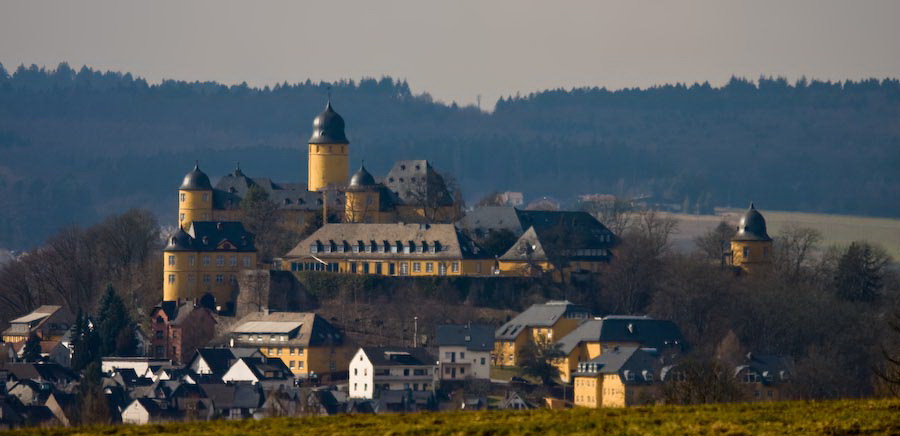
(78, 145)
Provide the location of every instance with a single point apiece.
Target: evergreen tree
(32, 352)
(85, 344)
(114, 327)
(860, 271)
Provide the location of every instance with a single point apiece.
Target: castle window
(356, 246)
(401, 180)
(232, 279)
(232, 261)
(246, 261)
(171, 260)
(205, 260)
(372, 247)
(171, 278)
(220, 278)
(206, 278)
(183, 197)
(370, 200)
(385, 247)
(429, 267)
(327, 248)
(205, 197)
(404, 268)
(220, 260)
(181, 218)
(192, 260)
(442, 269)
(746, 252)
(418, 167)
(417, 267)
(340, 247)
(454, 267)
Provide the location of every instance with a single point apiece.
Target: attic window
(391, 180)
(205, 240)
(436, 246)
(412, 179)
(423, 247)
(401, 180)
(300, 201)
(418, 167)
(410, 248)
(403, 167)
(287, 201)
(174, 240)
(319, 201)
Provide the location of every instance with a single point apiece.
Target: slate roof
(540, 315)
(649, 332)
(207, 236)
(453, 244)
(772, 369)
(416, 182)
(752, 227)
(50, 372)
(398, 356)
(328, 128)
(230, 396)
(195, 180)
(314, 330)
(232, 187)
(556, 235)
(474, 337)
(633, 364)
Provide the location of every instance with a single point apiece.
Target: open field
(836, 229)
(871, 417)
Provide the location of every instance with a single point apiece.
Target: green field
(847, 417)
(836, 229)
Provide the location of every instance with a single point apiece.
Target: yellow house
(558, 244)
(48, 322)
(621, 377)
(389, 249)
(204, 261)
(539, 324)
(751, 247)
(306, 343)
(594, 337)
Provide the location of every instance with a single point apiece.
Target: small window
(205, 260)
(220, 260)
(220, 278)
(246, 260)
(206, 278)
(171, 278)
(205, 197)
(192, 260)
(183, 198)
(429, 267)
(746, 252)
(232, 261)
(454, 267)
(171, 260)
(417, 267)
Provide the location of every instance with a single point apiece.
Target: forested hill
(78, 145)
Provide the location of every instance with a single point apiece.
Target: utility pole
(415, 332)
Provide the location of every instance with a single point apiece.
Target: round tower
(328, 151)
(194, 198)
(751, 247)
(179, 265)
(362, 200)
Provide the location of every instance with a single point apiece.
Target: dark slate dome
(196, 180)
(361, 178)
(180, 241)
(328, 128)
(752, 227)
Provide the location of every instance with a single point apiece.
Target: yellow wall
(194, 206)
(319, 360)
(328, 165)
(362, 207)
(588, 391)
(504, 349)
(415, 267)
(759, 254)
(189, 270)
(583, 352)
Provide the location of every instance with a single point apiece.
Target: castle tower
(751, 247)
(194, 198)
(328, 151)
(362, 202)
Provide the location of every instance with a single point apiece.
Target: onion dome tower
(362, 198)
(751, 246)
(194, 198)
(328, 151)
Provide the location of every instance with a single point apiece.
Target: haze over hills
(79, 145)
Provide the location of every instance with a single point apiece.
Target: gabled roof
(398, 356)
(231, 188)
(474, 337)
(417, 182)
(311, 329)
(220, 359)
(452, 242)
(649, 332)
(540, 315)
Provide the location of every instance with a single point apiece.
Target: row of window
(367, 267)
(375, 247)
(586, 252)
(220, 260)
(220, 279)
(275, 351)
(299, 364)
(205, 197)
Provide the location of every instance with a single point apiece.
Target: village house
(307, 344)
(50, 323)
(620, 377)
(374, 370)
(179, 328)
(592, 338)
(539, 324)
(765, 377)
(464, 351)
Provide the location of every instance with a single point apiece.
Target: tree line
(78, 144)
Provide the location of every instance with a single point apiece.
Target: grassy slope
(836, 229)
(819, 418)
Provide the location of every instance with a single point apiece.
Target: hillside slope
(872, 417)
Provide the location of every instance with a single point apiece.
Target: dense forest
(78, 145)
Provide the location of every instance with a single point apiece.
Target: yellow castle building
(751, 246)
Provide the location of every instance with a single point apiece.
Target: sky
(458, 50)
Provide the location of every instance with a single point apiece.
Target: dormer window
(423, 247)
(397, 247)
(205, 240)
(403, 168)
(410, 248)
(314, 248)
(287, 201)
(436, 246)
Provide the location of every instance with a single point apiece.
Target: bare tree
(794, 247)
(716, 242)
(494, 198)
(654, 230)
(615, 214)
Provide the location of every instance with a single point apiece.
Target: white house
(143, 366)
(465, 351)
(266, 371)
(376, 369)
(145, 410)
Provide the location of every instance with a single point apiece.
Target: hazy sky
(455, 49)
